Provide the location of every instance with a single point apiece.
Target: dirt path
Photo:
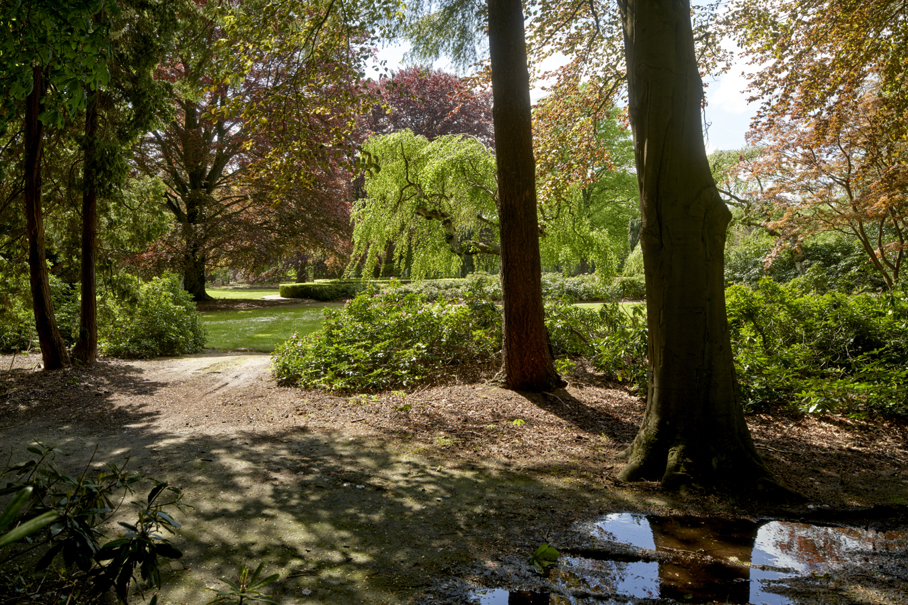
(393, 497)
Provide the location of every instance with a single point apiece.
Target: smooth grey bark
(693, 431)
(528, 364)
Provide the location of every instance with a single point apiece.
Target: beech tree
(693, 431)
(264, 115)
(430, 103)
(818, 58)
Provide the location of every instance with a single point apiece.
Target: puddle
(701, 560)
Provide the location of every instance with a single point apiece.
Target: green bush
(626, 288)
(585, 287)
(830, 263)
(61, 515)
(388, 340)
(633, 266)
(160, 320)
(830, 352)
(323, 291)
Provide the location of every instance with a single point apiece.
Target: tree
(430, 103)
(693, 431)
(448, 182)
(49, 54)
(818, 58)
(527, 359)
(130, 105)
(850, 180)
(265, 116)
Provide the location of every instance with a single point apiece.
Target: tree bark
(528, 362)
(53, 350)
(693, 431)
(194, 279)
(86, 349)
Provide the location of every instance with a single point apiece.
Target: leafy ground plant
(55, 551)
(247, 588)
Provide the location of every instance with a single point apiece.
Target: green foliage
(324, 291)
(613, 337)
(428, 203)
(820, 353)
(842, 263)
(389, 340)
(161, 319)
(545, 556)
(17, 322)
(247, 588)
(61, 516)
(626, 288)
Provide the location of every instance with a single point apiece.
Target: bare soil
(377, 498)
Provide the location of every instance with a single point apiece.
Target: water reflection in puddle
(703, 560)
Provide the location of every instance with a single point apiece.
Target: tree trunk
(53, 350)
(528, 363)
(86, 349)
(302, 268)
(693, 431)
(194, 261)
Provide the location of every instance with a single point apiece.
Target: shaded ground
(374, 499)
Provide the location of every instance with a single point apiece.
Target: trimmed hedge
(323, 291)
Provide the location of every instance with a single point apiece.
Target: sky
(727, 111)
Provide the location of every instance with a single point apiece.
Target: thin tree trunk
(53, 350)
(528, 362)
(693, 431)
(86, 349)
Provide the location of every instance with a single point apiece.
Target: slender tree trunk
(693, 431)
(86, 349)
(53, 350)
(528, 362)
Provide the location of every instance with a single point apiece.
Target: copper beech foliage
(818, 58)
(809, 179)
(259, 155)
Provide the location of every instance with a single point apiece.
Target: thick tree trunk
(86, 349)
(693, 431)
(194, 279)
(53, 350)
(528, 362)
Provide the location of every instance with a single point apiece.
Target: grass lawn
(259, 329)
(242, 293)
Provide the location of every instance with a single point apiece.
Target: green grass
(259, 329)
(241, 293)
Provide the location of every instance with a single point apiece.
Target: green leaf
(27, 528)
(545, 556)
(13, 508)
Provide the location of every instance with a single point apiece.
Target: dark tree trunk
(194, 256)
(693, 431)
(302, 268)
(53, 350)
(528, 363)
(86, 349)
(194, 279)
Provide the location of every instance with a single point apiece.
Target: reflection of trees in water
(697, 577)
(710, 559)
(803, 547)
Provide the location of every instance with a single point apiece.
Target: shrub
(61, 515)
(585, 287)
(820, 353)
(613, 337)
(388, 340)
(323, 291)
(160, 320)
